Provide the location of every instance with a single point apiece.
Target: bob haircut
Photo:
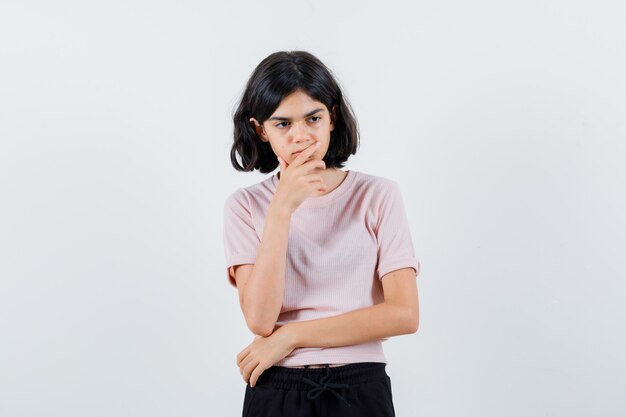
(277, 76)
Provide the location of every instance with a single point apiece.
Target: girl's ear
(333, 117)
(258, 128)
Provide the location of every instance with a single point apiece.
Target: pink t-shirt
(340, 246)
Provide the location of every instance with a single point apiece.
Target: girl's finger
(306, 154)
(248, 369)
(245, 362)
(242, 355)
(283, 164)
(256, 374)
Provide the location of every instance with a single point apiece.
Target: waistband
(291, 378)
(318, 380)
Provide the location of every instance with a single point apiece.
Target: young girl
(322, 258)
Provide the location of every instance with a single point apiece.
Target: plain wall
(503, 123)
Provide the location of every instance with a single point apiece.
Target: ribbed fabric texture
(340, 246)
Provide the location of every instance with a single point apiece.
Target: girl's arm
(263, 290)
(398, 314)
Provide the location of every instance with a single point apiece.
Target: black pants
(357, 389)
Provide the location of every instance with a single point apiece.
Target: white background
(503, 122)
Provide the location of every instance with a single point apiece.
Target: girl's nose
(299, 131)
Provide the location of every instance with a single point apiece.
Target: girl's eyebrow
(288, 119)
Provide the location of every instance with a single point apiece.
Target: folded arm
(398, 314)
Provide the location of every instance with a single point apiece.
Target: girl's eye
(282, 124)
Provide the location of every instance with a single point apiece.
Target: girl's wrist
(291, 334)
(280, 209)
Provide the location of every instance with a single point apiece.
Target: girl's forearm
(264, 290)
(371, 323)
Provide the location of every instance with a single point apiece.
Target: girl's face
(297, 122)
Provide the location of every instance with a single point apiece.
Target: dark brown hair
(277, 76)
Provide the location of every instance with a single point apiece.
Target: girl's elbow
(413, 321)
(258, 327)
(261, 329)
(258, 322)
(413, 326)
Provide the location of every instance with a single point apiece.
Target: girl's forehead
(299, 101)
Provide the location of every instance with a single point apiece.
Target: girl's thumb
(281, 162)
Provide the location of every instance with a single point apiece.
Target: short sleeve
(241, 241)
(394, 243)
